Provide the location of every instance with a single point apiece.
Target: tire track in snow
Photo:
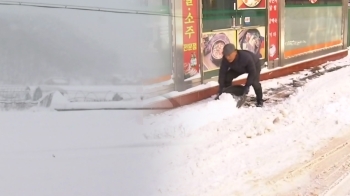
(318, 176)
(342, 186)
(310, 97)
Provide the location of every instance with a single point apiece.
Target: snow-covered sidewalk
(233, 151)
(207, 148)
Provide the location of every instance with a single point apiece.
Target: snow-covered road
(207, 148)
(342, 188)
(74, 153)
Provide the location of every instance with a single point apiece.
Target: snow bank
(231, 151)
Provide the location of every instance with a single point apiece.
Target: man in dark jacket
(238, 62)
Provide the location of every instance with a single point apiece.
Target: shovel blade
(241, 101)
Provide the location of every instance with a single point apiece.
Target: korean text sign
(273, 30)
(190, 22)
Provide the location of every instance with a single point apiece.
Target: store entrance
(241, 22)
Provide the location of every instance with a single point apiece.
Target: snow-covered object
(58, 100)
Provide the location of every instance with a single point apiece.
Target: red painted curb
(199, 95)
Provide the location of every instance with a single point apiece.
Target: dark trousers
(256, 84)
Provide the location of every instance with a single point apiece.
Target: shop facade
(173, 40)
(281, 33)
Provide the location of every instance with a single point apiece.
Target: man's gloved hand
(218, 95)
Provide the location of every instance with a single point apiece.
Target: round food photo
(251, 3)
(212, 53)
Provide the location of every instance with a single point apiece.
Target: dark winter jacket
(245, 62)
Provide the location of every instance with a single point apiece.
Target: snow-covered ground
(207, 148)
(230, 151)
(74, 153)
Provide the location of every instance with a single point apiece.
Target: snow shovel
(238, 91)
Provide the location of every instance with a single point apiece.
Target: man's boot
(259, 97)
(260, 103)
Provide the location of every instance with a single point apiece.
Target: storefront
(180, 40)
(239, 22)
(280, 32)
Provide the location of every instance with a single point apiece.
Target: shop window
(220, 14)
(232, 21)
(313, 2)
(312, 25)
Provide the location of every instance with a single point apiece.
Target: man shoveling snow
(238, 62)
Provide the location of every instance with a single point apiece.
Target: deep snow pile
(232, 151)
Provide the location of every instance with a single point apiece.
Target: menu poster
(253, 40)
(213, 44)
